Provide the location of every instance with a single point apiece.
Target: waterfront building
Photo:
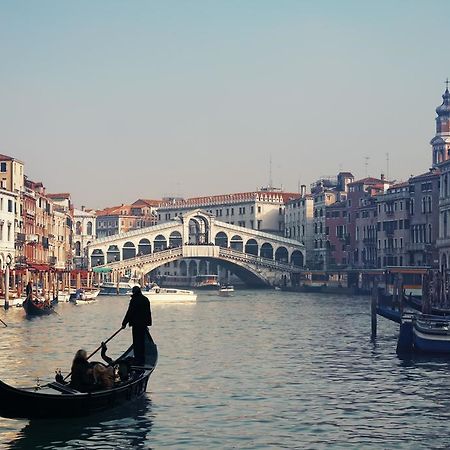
(299, 221)
(326, 191)
(365, 238)
(393, 226)
(262, 210)
(362, 219)
(37, 223)
(8, 201)
(84, 228)
(424, 218)
(60, 237)
(123, 218)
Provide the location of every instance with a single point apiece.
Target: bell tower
(441, 141)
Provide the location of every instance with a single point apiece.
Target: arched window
(429, 204)
(89, 228)
(78, 228)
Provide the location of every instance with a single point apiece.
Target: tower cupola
(441, 141)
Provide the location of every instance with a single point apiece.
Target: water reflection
(127, 427)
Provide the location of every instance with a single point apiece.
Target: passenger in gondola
(123, 366)
(82, 378)
(103, 376)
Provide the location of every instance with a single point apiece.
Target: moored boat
(122, 288)
(37, 308)
(226, 291)
(172, 295)
(207, 282)
(56, 400)
(431, 334)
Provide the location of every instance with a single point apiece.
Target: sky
(118, 100)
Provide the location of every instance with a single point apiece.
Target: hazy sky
(115, 100)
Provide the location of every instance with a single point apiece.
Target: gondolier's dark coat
(139, 313)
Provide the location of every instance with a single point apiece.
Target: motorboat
(171, 295)
(121, 288)
(207, 282)
(226, 291)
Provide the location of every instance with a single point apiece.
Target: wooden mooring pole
(373, 309)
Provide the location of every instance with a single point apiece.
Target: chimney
(303, 190)
(82, 207)
(382, 177)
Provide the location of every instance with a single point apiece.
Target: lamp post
(8, 264)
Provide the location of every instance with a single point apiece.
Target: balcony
(52, 260)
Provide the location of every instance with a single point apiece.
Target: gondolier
(139, 317)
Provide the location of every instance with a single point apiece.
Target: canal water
(262, 369)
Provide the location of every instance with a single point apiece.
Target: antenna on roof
(387, 165)
(366, 163)
(270, 172)
(446, 84)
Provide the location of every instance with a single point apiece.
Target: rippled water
(259, 370)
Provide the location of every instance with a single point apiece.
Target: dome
(445, 107)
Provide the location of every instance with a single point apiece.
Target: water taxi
(172, 295)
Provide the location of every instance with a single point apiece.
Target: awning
(101, 270)
(39, 267)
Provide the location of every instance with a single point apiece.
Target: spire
(444, 109)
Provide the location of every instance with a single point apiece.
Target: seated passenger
(82, 377)
(123, 366)
(103, 376)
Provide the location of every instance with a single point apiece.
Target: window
(10, 206)
(3, 167)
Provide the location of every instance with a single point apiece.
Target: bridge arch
(112, 254)
(297, 258)
(282, 255)
(221, 239)
(203, 267)
(144, 247)
(183, 268)
(97, 258)
(266, 251)
(175, 239)
(159, 243)
(128, 250)
(251, 247)
(199, 229)
(192, 268)
(236, 243)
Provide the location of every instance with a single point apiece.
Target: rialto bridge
(255, 256)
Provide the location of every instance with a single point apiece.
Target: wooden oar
(3, 322)
(95, 351)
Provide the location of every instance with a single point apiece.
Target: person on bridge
(139, 317)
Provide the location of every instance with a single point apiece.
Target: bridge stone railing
(131, 263)
(231, 254)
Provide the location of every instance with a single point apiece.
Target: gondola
(56, 400)
(31, 309)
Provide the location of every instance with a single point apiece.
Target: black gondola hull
(60, 401)
(33, 310)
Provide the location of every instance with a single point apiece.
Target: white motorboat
(122, 288)
(13, 302)
(226, 291)
(171, 295)
(63, 296)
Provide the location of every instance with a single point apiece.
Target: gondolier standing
(139, 317)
